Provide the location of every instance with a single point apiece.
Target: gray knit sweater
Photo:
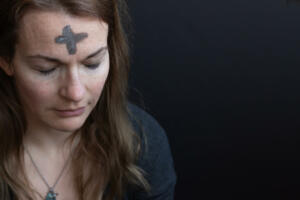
(156, 159)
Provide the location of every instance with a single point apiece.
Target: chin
(69, 126)
(67, 129)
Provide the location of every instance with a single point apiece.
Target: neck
(50, 142)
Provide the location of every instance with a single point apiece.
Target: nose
(72, 89)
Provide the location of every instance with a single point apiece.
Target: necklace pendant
(51, 195)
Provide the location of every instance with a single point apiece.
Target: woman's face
(60, 67)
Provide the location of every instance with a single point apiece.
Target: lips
(70, 112)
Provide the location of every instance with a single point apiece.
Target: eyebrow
(50, 59)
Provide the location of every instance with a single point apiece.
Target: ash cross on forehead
(70, 39)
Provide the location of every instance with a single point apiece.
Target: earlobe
(6, 67)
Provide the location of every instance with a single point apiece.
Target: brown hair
(108, 147)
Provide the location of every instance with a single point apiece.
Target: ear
(6, 67)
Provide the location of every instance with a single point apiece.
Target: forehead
(38, 30)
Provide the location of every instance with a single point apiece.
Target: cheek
(33, 94)
(97, 85)
(100, 80)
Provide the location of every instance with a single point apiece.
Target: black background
(223, 79)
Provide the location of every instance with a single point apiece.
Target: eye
(92, 66)
(47, 72)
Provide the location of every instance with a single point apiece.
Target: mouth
(70, 112)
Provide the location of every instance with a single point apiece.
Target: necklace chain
(42, 177)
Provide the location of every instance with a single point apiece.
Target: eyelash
(48, 72)
(93, 66)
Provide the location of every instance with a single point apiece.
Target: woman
(67, 130)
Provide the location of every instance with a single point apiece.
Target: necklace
(51, 195)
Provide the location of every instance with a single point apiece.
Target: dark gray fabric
(156, 159)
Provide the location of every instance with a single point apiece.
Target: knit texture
(156, 158)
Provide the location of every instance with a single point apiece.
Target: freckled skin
(70, 85)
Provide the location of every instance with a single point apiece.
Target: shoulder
(150, 131)
(144, 123)
(156, 158)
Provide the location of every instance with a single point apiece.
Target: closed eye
(47, 72)
(92, 66)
